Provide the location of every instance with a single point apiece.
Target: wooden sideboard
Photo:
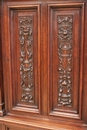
(43, 65)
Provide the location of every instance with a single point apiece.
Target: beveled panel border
(7, 8)
(80, 5)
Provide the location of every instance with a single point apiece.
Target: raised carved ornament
(26, 58)
(65, 48)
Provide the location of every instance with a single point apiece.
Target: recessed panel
(24, 45)
(27, 53)
(26, 58)
(65, 51)
(65, 54)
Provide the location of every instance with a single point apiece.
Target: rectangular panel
(66, 59)
(26, 57)
(25, 64)
(24, 60)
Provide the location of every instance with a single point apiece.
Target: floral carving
(65, 26)
(26, 58)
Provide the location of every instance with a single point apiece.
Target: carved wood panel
(65, 55)
(24, 64)
(26, 58)
(65, 38)
(61, 65)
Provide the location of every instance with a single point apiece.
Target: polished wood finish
(43, 58)
(2, 103)
(67, 47)
(24, 70)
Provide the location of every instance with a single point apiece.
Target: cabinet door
(22, 57)
(44, 62)
(66, 42)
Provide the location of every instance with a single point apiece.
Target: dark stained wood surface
(43, 59)
(66, 56)
(2, 103)
(23, 58)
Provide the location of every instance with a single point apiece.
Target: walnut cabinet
(43, 65)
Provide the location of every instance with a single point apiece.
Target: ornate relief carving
(26, 58)
(65, 26)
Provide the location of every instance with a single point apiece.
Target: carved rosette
(26, 58)
(65, 39)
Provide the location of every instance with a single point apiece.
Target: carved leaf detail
(65, 39)
(26, 58)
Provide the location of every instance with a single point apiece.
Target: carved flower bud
(59, 94)
(58, 99)
(69, 81)
(64, 103)
(69, 95)
(70, 100)
(69, 69)
(68, 90)
(65, 32)
(61, 90)
(26, 98)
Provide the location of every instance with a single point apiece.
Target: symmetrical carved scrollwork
(26, 58)
(65, 39)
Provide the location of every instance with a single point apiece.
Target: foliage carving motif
(65, 39)
(26, 58)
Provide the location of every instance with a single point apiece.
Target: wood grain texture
(26, 58)
(65, 49)
(2, 104)
(44, 54)
(66, 59)
(23, 58)
(0, 127)
(42, 124)
(84, 104)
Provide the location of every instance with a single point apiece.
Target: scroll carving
(65, 48)
(26, 58)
